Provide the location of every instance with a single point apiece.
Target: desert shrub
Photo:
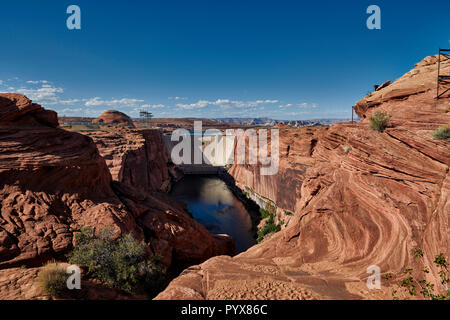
(122, 263)
(443, 133)
(269, 227)
(288, 213)
(446, 110)
(388, 276)
(346, 149)
(379, 121)
(52, 280)
(416, 287)
(264, 213)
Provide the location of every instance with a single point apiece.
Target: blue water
(214, 206)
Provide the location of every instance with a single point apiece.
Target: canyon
(359, 198)
(349, 198)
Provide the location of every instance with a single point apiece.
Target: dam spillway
(211, 164)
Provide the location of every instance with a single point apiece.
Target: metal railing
(442, 80)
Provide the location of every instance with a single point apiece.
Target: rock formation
(360, 198)
(51, 183)
(114, 117)
(421, 79)
(136, 158)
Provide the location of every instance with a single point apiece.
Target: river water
(214, 206)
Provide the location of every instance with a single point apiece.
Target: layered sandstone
(421, 79)
(359, 197)
(297, 146)
(136, 158)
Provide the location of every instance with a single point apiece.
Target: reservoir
(214, 206)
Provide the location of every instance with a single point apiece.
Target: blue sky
(278, 59)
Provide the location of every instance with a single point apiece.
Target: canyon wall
(360, 198)
(136, 158)
(296, 147)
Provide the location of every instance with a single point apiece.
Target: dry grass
(443, 133)
(52, 279)
(346, 149)
(379, 121)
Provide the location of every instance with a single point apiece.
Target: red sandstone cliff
(359, 198)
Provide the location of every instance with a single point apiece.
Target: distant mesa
(268, 122)
(114, 117)
(282, 125)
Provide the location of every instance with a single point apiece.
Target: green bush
(288, 213)
(443, 133)
(269, 227)
(122, 263)
(379, 121)
(52, 280)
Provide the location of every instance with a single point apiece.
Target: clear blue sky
(246, 58)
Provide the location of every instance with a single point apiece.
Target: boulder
(114, 117)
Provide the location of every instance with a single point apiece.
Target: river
(214, 206)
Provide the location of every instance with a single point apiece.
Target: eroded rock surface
(52, 182)
(136, 158)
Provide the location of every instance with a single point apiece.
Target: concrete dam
(200, 154)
